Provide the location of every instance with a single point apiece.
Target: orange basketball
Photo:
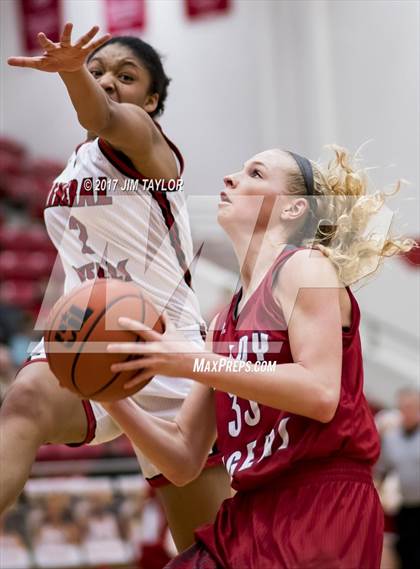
(82, 324)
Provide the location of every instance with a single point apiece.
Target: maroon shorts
(195, 557)
(321, 515)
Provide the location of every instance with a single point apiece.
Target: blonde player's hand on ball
(168, 354)
(63, 56)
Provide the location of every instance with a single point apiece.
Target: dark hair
(151, 60)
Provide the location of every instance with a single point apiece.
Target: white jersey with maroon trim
(106, 220)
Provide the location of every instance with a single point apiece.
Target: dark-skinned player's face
(123, 76)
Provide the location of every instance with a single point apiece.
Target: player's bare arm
(309, 294)
(178, 448)
(126, 126)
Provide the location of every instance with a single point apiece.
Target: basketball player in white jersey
(106, 219)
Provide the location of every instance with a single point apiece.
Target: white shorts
(162, 397)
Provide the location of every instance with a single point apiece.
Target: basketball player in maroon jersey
(117, 94)
(299, 440)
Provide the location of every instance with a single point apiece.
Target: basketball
(82, 324)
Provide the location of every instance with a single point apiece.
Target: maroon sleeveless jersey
(258, 442)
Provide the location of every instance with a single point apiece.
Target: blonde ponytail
(341, 211)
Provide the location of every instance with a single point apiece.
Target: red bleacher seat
(25, 189)
(12, 156)
(11, 146)
(23, 265)
(19, 188)
(26, 253)
(45, 168)
(33, 238)
(24, 294)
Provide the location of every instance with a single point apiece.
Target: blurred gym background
(247, 75)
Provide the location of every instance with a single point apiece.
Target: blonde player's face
(256, 192)
(123, 76)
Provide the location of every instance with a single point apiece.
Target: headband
(306, 171)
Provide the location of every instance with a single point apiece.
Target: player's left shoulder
(309, 268)
(142, 119)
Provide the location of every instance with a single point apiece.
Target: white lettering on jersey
(250, 456)
(259, 345)
(251, 419)
(254, 418)
(242, 349)
(235, 458)
(268, 445)
(234, 427)
(283, 433)
(232, 462)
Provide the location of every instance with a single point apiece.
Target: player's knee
(52, 413)
(27, 398)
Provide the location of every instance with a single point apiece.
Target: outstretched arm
(179, 448)
(125, 126)
(89, 100)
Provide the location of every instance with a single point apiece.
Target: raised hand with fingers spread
(62, 56)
